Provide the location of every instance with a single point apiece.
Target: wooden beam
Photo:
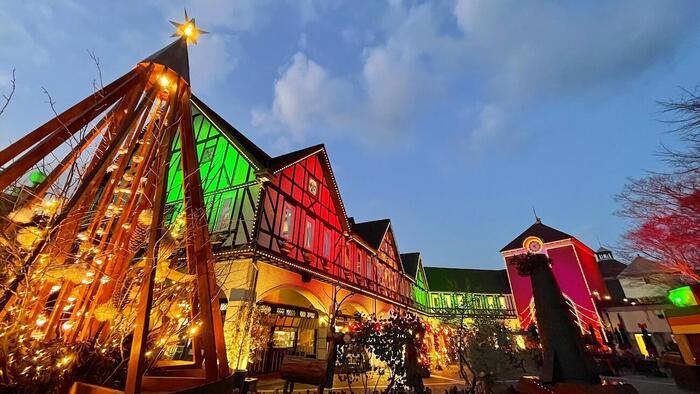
(137, 359)
(89, 184)
(56, 131)
(198, 246)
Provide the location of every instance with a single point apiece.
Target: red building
(574, 266)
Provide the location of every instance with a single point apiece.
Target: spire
(174, 57)
(537, 218)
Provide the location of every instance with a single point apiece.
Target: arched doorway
(293, 315)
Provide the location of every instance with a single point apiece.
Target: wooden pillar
(137, 360)
(198, 250)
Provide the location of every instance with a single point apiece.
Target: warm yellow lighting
(41, 320)
(164, 82)
(67, 325)
(55, 288)
(188, 29)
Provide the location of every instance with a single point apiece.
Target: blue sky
(452, 118)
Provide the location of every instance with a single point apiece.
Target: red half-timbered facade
(303, 226)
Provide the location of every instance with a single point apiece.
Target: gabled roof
(279, 163)
(539, 230)
(260, 158)
(410, 263)
(642, 266)
(372, 232)
(466, 280)
(287, 159)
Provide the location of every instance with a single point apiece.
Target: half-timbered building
(284, 243)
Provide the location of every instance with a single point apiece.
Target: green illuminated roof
(682, 296)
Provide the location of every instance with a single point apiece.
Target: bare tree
(664, 208)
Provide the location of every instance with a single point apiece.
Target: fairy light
(41, 320)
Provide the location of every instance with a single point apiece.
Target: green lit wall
(228, 181)
(420, 294)
(467, 301)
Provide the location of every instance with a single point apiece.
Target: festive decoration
(91, 266)
(397, 341)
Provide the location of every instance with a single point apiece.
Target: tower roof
(539, 230)
(174, 57)
(610, 268)
(603, 249)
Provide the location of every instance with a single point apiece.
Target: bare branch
(97, 84)
(8, 97)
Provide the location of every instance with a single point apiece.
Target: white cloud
(380, 101)
(304, 94)
(537, 48)
(492, 123)
(516, 54)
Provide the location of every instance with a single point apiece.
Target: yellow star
(187, 29)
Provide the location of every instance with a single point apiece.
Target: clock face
(533, 245)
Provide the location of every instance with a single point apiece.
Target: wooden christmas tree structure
(104, 262)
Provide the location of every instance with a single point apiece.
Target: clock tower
(574, 267)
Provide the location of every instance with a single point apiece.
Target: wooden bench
(297, 369)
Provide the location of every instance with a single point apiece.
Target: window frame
(309, 233)
(326, 251)
(290, 225)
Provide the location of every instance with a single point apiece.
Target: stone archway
(350, 308)
(293, 295)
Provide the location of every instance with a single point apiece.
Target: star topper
(187, 29)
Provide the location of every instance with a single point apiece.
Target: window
(287, 218)
(225, 215)
(358, 268)
(309, 234)
(326, 244)
(207, 155)
(283, 337)
(368, 272)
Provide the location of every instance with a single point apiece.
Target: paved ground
(443, 380)
(647, 385)
(438, 382)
